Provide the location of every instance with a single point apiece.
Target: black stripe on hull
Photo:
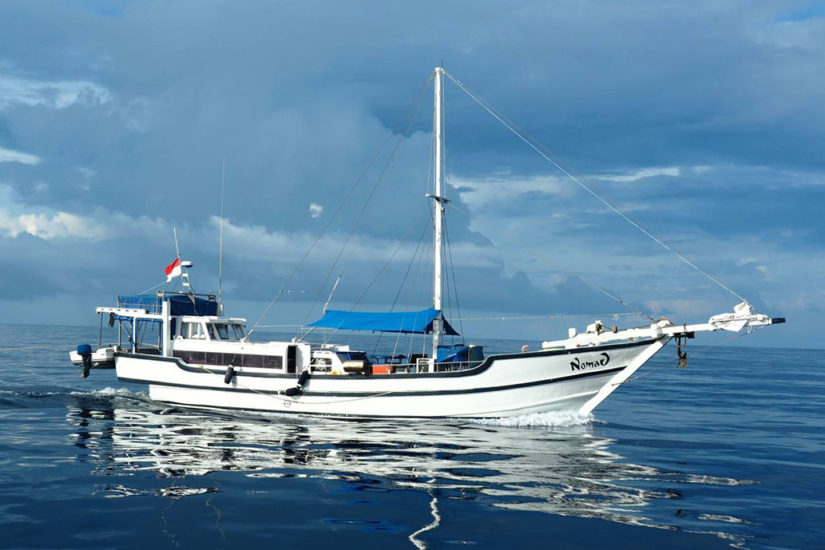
(486, 364)
(426, 393)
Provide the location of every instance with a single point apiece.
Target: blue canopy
(417, 322)
(179, 304)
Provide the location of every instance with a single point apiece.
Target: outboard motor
(292, 392)
(85, 353)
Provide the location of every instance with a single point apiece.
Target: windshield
(226, 332)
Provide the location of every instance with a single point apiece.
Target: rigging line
(540, 149)
(357, 223)
(340, 207)
(421, 263)
(383, 268)
(378, 181)
(414, 261)
(548, 317)
(568, 273)
(401, 286)
(449, 248)
(726, 341)
(699, 351)
(153, 287)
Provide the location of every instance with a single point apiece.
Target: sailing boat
(199, 357)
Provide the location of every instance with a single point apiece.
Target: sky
(702, 122)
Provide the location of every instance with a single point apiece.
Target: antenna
(220, 241)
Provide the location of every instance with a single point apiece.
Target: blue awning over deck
(179, 304)
(416, 322)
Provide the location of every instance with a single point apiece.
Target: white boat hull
(503, 385)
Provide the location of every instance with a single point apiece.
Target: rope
(727, 340)
(700, 351)
(414, 108)
(400, 288)
(563, 316)
(569, 273)
(153, 287)
(540, 149)
(334, 215)
(449, 248)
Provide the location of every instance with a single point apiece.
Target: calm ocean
(729, 452)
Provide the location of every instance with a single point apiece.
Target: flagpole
(177, 248)
(184, 276)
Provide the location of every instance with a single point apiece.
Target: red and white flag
(173, 270)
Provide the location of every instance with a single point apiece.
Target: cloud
(641, 173)
(479, 193)
(52, 94)
(60, 225)
(8, 155)
(716, 110)
(315, 210)
(258, 243)
(17, 219)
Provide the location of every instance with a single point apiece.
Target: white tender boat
(189, 354)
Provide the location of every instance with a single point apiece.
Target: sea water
(728, 452)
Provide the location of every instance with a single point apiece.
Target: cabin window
(193, 330)
(239, 333)
(234, 359)
(223, 331)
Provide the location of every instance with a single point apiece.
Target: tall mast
(220, 242)
(438, 217)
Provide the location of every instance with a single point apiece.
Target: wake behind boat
(189, 353)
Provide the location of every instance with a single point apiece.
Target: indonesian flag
(173, 270)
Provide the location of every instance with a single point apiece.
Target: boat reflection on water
(561, 469)
(558, 467)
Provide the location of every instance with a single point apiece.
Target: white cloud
(315, 210)
(263, 244)
(641, 173)
(477, 193)
(49, 224)
(9, 155)
(55, 94)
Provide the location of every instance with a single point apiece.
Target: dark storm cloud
(132, 107)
